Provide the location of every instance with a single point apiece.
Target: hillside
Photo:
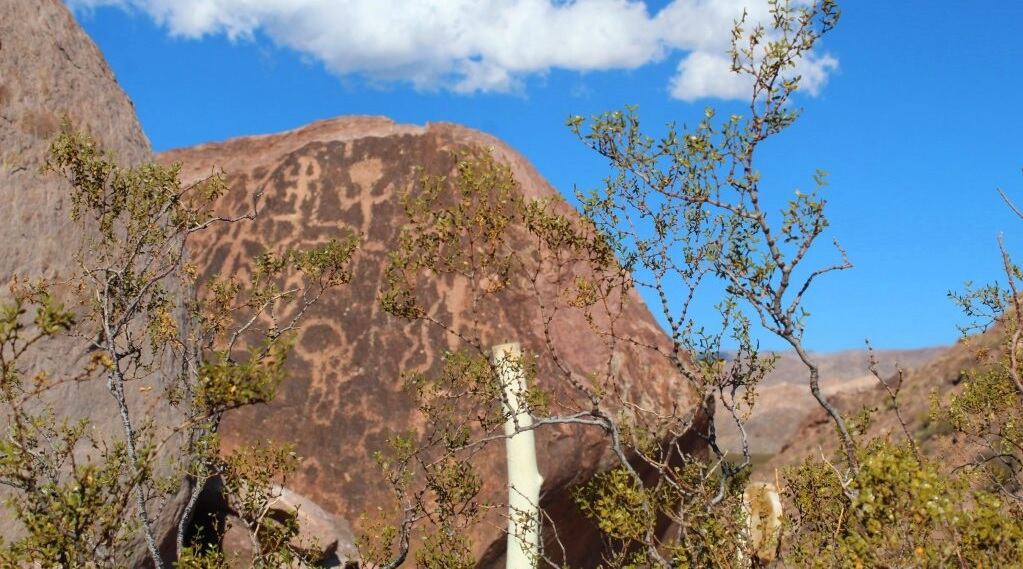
(940, 375)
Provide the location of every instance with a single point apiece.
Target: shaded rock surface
(49, 68)
(345, 397)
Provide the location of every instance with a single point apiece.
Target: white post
(762, 506)
(524, 478)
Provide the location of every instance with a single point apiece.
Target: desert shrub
(81, 495)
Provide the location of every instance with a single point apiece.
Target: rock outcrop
(49, 69)
(345, 397)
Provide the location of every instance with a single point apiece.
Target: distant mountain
(784, 400)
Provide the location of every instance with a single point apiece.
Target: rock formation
(344, 398)
(49, 69)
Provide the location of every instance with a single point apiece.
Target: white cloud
(813, 72)
(700, 76)
(704, 74)
(484, 45)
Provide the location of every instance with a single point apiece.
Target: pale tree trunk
(524, 478)
(762, 506)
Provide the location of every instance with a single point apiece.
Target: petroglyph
(345, 397)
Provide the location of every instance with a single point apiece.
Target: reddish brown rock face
(344, 398)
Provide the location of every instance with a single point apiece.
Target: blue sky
(917, 126)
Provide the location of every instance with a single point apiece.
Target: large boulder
(49, 69)
(322, 535)
(345, 396)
